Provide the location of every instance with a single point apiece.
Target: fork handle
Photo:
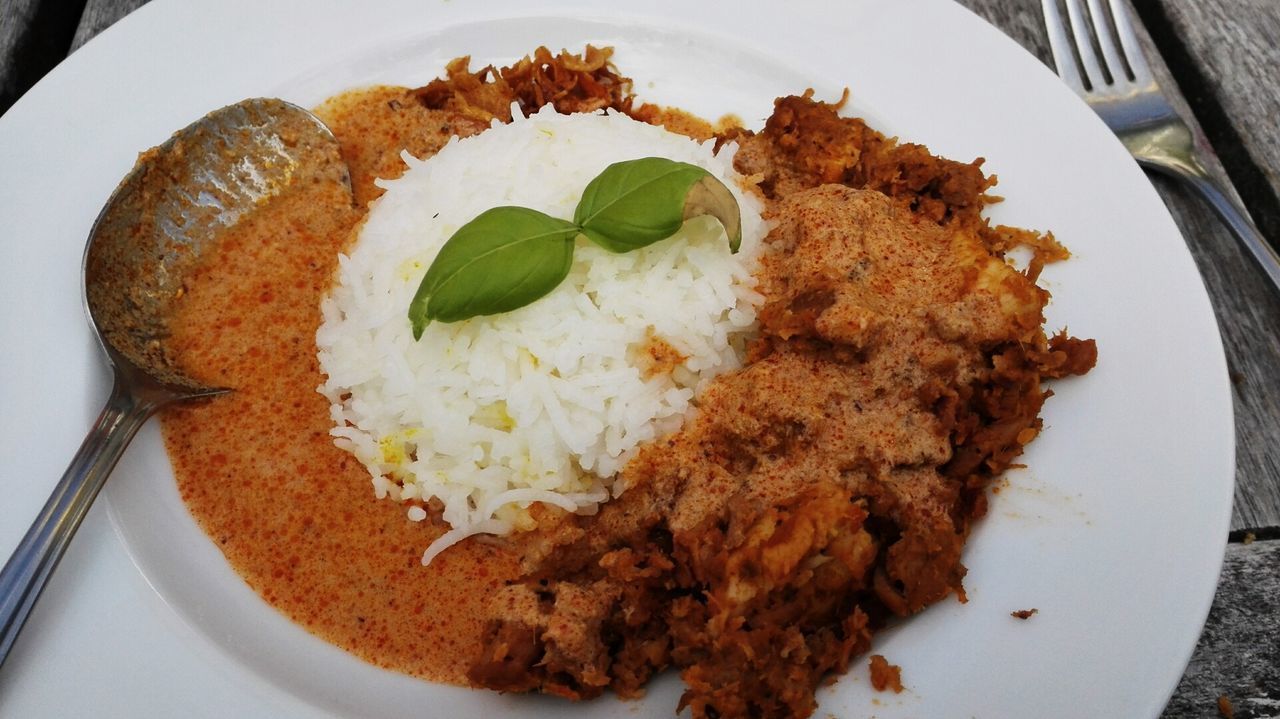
(1194, 174)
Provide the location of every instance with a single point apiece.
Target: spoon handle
(25, 574)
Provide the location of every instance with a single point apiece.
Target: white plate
(1115, 533)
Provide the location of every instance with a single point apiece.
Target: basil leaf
(636, 203)
(502, 260)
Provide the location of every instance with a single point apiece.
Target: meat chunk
(806, 144)
(778, 607)
(830, 484)
(848, 263)
(885, 676)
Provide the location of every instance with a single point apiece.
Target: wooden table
(1222, 59)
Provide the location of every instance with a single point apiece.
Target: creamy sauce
(294, 515)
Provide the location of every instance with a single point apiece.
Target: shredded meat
(572, 83)
(829, 485)
(588, 82)
(805, 143)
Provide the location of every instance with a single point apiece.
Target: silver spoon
(150, 234)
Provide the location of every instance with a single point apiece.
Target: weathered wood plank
(1227, 56)
(1239, 651)
(34, 35)
(98, 15)
(1247, 308)
(15, 30)
(1249, 319)
(1232, 50)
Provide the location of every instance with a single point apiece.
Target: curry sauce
(292, 513)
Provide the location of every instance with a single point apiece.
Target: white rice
(548, 402)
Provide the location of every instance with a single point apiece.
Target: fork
(1119, 86)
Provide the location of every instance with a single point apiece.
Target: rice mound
(548, 402)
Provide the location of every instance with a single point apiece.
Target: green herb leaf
(709, 196)
(502, 260)
(636, 203)
(510, 256)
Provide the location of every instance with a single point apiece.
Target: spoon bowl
(150, 235)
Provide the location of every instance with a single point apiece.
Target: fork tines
(1101, 50)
